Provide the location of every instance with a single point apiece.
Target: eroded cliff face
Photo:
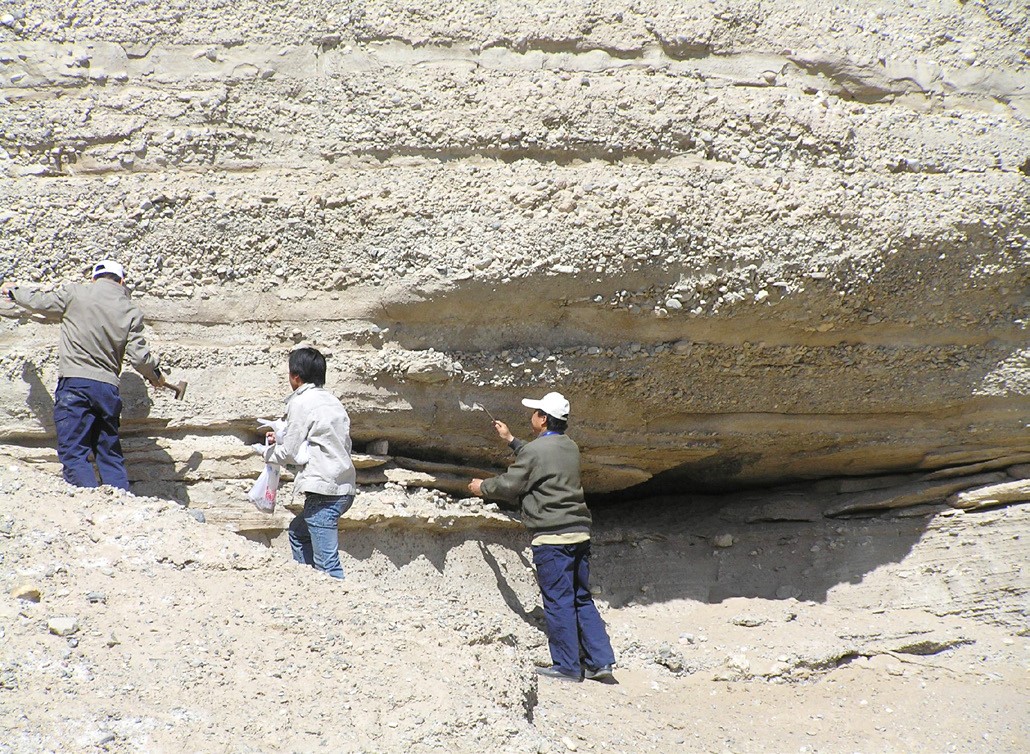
(752, 242)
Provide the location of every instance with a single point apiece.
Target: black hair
(308, 365)
(108, 276)
(554, 424)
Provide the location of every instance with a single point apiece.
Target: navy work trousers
(574, 627)
(87, 414)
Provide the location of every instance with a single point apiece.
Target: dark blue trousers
(87, 414)
(574, 627)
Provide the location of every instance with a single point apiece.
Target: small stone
(569, 743)
(95, 598)
(378, 447)
(749, 621)
(63, 625)
(723, 540)
(673, 304)
(199, 515)
(27, 592)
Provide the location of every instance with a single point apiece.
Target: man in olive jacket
(100, 325)
(545, 481)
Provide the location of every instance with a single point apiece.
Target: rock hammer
(179, 389)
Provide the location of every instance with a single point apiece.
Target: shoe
(558, 675)
(603, 673)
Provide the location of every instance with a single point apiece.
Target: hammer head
(180, 389)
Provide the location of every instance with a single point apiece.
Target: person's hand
(269, 438)
(159, 382)
(475, 486)
(503, 432)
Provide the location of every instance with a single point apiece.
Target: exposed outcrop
(754, 243)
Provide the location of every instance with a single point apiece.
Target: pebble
(723, 540)
(787, 592)
(27, 592)
(749, 621)
(63, 625)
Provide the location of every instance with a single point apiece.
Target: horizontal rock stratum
(752, 242)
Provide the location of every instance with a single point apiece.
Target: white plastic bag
(262, 494)
(278, 426)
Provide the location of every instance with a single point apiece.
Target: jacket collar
(302, 389)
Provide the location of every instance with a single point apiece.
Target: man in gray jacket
(317, 422)
(100, 325)
(544, 480)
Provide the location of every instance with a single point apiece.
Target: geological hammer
(179, 389)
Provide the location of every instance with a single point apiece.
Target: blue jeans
(87, 414)
(574, 627)
(315, 534)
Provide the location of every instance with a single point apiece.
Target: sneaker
(603, 673)
(558, 675)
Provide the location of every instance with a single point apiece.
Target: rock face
(752, 242)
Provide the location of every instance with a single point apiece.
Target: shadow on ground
(704, 548)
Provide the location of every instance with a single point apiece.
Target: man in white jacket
(315, 417)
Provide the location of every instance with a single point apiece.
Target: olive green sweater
(544, 480)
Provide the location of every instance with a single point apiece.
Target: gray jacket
(100, 324)
(316, 416)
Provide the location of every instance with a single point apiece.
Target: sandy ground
(189, 638)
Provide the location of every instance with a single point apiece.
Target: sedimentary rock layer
(752, 242)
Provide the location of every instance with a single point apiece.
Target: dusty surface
(873, 635)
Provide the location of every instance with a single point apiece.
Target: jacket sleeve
(512, 484)
(293, 436)
(52, 304)
(137, 350)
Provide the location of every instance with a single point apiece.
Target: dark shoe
(603, 673)
(558, 675)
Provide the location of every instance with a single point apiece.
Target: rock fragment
(749, 621)
(992, 495)
(63, 625)
(27, 592)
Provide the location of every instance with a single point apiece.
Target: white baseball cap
(108, 267)
(552, 404)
